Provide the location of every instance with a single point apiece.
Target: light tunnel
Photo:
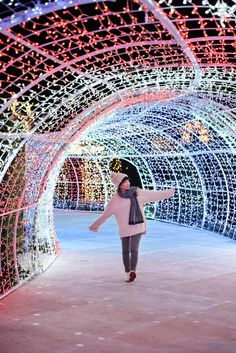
(83, 83)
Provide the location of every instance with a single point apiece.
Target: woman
(127, 205)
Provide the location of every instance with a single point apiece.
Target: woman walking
(127, 205)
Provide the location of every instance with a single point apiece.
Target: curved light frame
(87, 96)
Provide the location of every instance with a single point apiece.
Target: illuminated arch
(71, 67)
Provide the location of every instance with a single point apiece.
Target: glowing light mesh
(149, 82)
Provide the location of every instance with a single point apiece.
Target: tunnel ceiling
(158, 71)
(61, 60)
(165, 68)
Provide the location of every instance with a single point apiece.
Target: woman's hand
(93, 229)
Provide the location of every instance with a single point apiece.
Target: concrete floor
(183, 301)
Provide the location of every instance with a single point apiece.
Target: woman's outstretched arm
(108, 212)
(155, 195)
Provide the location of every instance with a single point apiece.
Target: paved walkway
(183, 301)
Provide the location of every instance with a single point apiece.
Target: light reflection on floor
(183, 300)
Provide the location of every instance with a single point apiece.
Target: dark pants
(130, 247)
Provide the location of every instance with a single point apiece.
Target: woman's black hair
(123, 180)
